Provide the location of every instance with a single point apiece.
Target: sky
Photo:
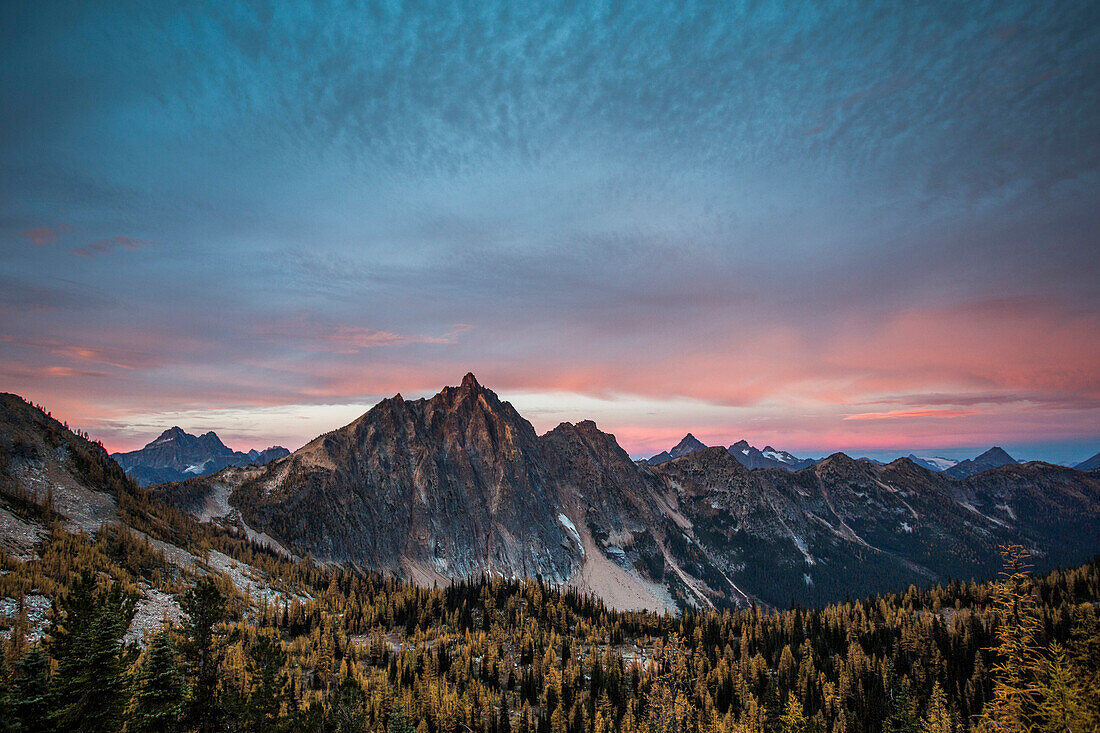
(870, 227)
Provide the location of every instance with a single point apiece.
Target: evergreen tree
(903, 716)
(398, 722)
(91, 688)
(158, 703)
(266, 660)
(346, 713)
(29, 694)
(204, 606)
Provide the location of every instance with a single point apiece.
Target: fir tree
(266, 660)
(159, 699)
(398, 722)
(29, 694)
(204, 606)
(91, 686)
(346, 713)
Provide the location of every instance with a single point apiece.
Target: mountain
(1090, 464)
(751, 457)
(932, 463)
(68, 512)
(688, 444)
(460, 485)
(267, 455)
(177, 455)
(993, 458)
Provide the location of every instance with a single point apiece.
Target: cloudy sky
(865, 227)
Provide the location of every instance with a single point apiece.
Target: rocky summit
(460, 485)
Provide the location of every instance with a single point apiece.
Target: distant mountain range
(460, 485)
(752, 457)
(177, 455)
(747, 455)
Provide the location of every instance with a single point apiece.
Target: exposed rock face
(177, 455)
(993, 458)
(454, 486)
(460, 484)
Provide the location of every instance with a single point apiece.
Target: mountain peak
(997, 452)
(470, 381)
(689, 444)
(995, 457)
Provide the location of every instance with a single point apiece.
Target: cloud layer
(823, 227)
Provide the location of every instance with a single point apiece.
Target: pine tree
(204, 606)
(29, 696)
(903, 718)
(91, 687)
(158, 703)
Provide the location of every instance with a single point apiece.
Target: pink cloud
(40, 236)
(895, 414)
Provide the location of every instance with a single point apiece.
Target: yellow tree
(1016, 691)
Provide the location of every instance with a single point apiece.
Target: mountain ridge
(459, 485)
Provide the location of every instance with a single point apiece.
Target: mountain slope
(460, 485)
(1089, 464)
(454, 486)
(176, 455)
(993, 458)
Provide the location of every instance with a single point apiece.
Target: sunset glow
(844, 236)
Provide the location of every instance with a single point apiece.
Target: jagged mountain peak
(689, 444)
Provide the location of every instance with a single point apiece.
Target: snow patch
(568, 524)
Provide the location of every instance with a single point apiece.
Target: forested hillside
(343, 650)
